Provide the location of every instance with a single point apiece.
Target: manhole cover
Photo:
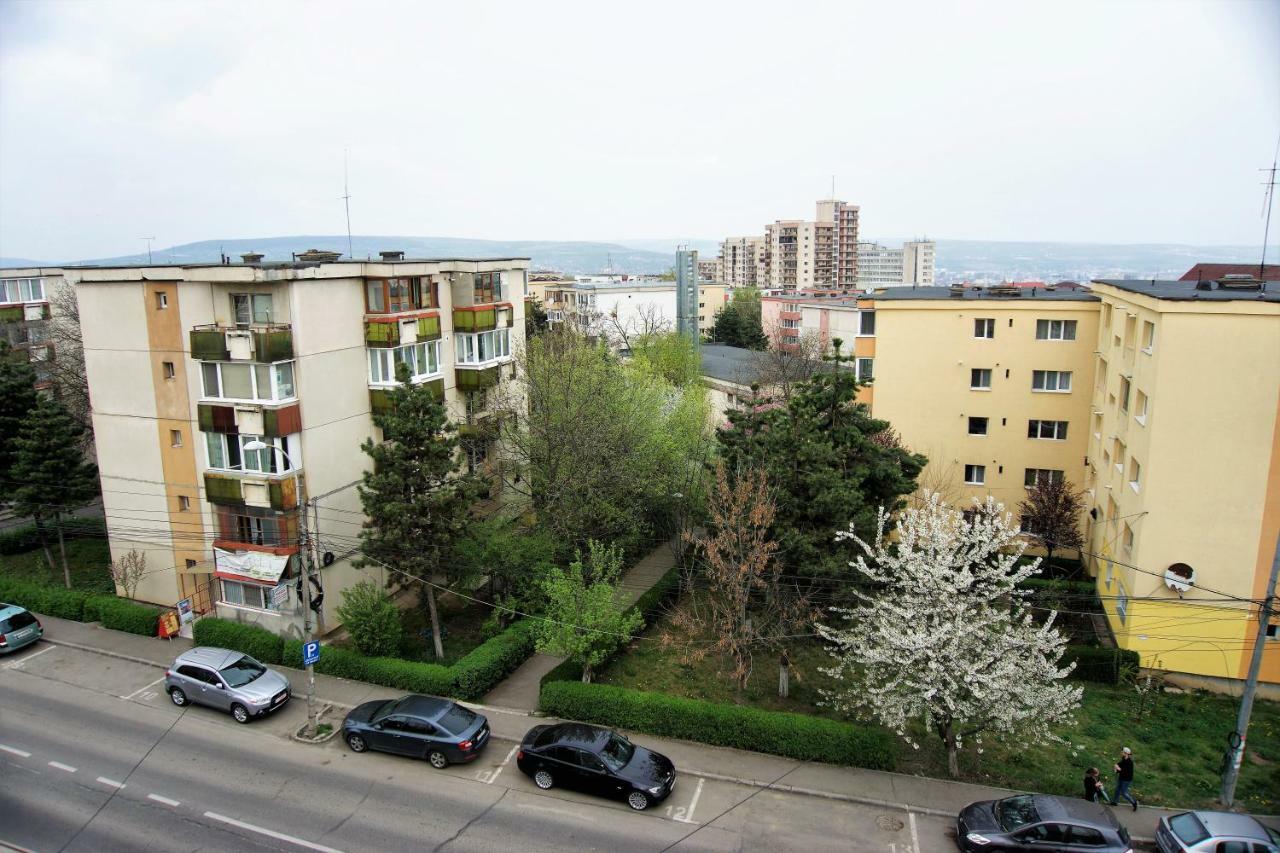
(889, 823)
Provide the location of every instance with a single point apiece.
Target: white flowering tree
(945, 637)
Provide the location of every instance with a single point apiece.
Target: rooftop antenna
(149, 239)
(346, 202)
(1266, 229)
(833, 187)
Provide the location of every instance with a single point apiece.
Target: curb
(333, 731)
(100, 651)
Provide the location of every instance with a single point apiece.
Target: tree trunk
(784, 679)
(62, 550)
(1048, 559)
(586, 673)
(953, 754)
(435, 622)
(44, 544)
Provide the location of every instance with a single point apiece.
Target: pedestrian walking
(1093, 787)
(1124, 778)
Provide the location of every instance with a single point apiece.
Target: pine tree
(728, 326)
(417, 501)
(17, 398)
(54, 478)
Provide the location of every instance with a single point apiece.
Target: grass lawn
(1178, 742)
(88, 557)
(462, 623)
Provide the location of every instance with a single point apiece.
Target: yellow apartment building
(1184, 469)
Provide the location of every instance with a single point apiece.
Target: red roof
(1212, 272)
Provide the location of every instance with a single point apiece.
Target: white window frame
(284, 450)
(468, 347)
(1124, 392)
(422, 357)
(1148, 336)
(1060, 384)
(14, 291)
(274, 392)
(262, 590)
(989, 374)
(866, 318)
(986, 426)
(1141, 405)
(1057, 430)
(1055, 330)
(1037, 479)
(1135, 474)
(1122, 604)
(975, 475)
(984, 328)
(866, 369)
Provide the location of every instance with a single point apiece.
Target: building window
(1106, 316)
(1119, 452)
(375, 298)
(1140, 406)
(252, 382)
(228, 453)
(1126, 540)
(867, 323)
(191, 564)
(422, 359)
(1055, 330)
(482, 347)
(392, 295)
(978, 426)
(169, 371)
(1122, 604)
(865, 366)
(975, 475)
(1056, 430)
(1148, 336)
(1058, 381)
(252, 595)
(984, 327)
(250, 308)
(175, 438)
(488, 287)
(22, 290)
(184, 503)
(477, 455)
(1125, 386)
(1135, 475)
(162, 300)
(980, 378)
(1041, 477)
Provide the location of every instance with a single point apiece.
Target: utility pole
(309, 563)
(1236, 755)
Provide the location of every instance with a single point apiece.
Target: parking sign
(310, 653)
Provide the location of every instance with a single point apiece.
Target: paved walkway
(890, 790)
(520, 689)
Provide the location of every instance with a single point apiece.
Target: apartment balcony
(29, 312)
(477, 379)
(233, 489)
(265, 531)
(789, 315)
(790, 331)
(262, 343)
(250, 419)
(396, 331)
(380, 398)
(483, 318)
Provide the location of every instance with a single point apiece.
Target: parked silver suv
(227, 680)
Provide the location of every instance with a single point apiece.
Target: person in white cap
(1124, 778)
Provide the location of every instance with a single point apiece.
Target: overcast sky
(1113, 122)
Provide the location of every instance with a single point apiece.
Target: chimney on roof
(317, 256)
(251, 257)
(392, 255)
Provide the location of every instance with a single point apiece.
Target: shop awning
(249, 565)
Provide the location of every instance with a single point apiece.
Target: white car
(1215, 832)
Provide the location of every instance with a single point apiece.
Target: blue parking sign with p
(310, 653)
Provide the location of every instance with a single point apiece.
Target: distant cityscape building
(819, 253)
(616, 307)
(688, 272)
(881, 266)
(742, 262)
(25, 311)
(708, 270)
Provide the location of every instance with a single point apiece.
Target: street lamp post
(310, 543)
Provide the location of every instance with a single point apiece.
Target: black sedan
(439, 730)
(598, 761)
(1040, 822)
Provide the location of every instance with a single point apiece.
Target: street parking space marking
(58, 765)
(693, 804)
(17, 664)
(915, 836)
(165, 800)
(270, 833)
(12, 750)
(144, 687)
(111, 783)
(490, 776)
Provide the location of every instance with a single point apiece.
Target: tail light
(168, 672)
(3, 641)
(520, 755)
(38, 625)
(466, 744)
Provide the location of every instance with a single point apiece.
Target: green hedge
(250, 639)
(493, 660)
(1085, 589)
(792, 735)
(401, 674)
(50, 600)
(1104, 666)
(121, 614)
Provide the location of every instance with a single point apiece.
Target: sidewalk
(938, 797)
(520, 689)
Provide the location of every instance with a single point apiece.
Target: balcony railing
(269, 342)
(225, 489)
(380, 398)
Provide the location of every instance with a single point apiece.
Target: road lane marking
(18, 663)
(58, 765)
(21, 753)
(915, 837)
(503, 765)
(693, 804)
(142, 688)
(270, 833)
(112, 783)
(165, 800)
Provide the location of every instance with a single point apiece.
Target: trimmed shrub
(49, 600)
(792, 735)
(490, 662)
(250, 639)
(1105, 666)
(406, 675)
(371, 618)
(121, 614)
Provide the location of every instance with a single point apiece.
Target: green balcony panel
(214, 418)
(223, 490)
(475, 380)
(381, 334)
(284, 494)
(273, 345)
(380, 398)
(209, 345)
(428, 328)
(12, 314)
(483, 320)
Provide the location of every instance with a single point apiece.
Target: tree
(827, 467)
(744, 604)
(584, 620)
(1051, 514)
(668, 356)
(535, 318)
(372, 619)
(417, 501)
(780, 371)
(17, 398)
(516, 559)
(128, 572)
(66, 368)
(52, 476)
(945, 637)
(738, 323)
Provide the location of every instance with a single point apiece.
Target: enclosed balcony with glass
(249, 382)
(397, 295)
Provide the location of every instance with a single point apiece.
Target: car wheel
(240, 712)
(638, 800)
(543, 779)
(437, 759)
(179, 698)
(357, 743)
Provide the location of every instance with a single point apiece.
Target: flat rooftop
(1015, 294)
(1202, 291)
(730, 364)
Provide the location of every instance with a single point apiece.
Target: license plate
(280, 698)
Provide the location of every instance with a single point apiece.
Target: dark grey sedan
(439, 730)
(1040, 822)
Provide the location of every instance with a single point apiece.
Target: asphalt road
(94, 758)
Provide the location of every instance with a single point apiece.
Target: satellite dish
(1180, 577)
(328, 558)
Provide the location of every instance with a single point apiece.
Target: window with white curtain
(270, 383)
(228, 453)
(482, 347)
(422, 359)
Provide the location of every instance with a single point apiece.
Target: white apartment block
(225, 396)
(741, 261)
(798, 254)
(619, 310)
(881, 266)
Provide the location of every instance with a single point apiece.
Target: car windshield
(16, 622)
(242, 672)
(1273, 835)
(457, 719)
(617, 752)
(1188, 828)
(1015, 812)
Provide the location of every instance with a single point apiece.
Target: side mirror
(378, 726)
(219, 685)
